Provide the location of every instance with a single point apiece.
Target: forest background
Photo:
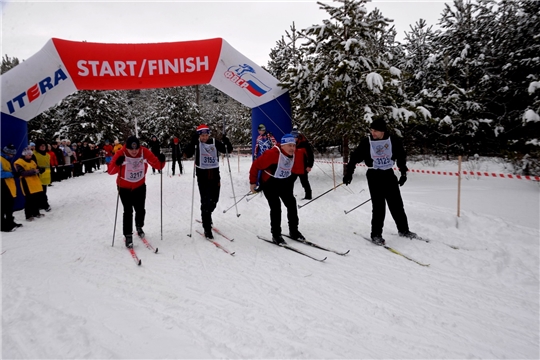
(469, 87)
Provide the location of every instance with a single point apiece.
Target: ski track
(67, 293)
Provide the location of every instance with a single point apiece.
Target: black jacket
(192, 149)
(362, 153)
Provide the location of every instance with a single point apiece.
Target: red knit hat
(203, 129)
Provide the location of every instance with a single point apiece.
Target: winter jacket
(362, 153)
(154, 146)
(52, 155)
(28, 171)
(267, 162)
(263, 142)
(7, 175)
(145, 157)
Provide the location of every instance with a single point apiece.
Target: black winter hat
(379, 125)
(133, 143)
(10, 149)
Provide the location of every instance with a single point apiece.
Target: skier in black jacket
(379, 152)
(206, 151)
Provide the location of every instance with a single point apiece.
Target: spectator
(30, 184)
(176, 153)
(9, 189)
(44, 166)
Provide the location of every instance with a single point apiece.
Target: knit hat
(203, 129)
(175, 140)
(32, 144)
(379, 125)
(9, 149)
(27, 151)
(132, 143)
(261, 127)
(288, 139)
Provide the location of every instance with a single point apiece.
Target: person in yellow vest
(30, 184)
(43, 160)
(117, 146)
(9, 190)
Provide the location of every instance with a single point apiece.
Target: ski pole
(356, 207)
(192, 199)
(242, 198)
(324, 193)
(230, 173)
(115, 216)
(161, 200)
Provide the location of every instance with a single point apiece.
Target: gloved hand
(120, 160)
(347, 178)
(402, 179)
(41, 170)
(161, 158)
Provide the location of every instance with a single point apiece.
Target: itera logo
(35, 91)
(244, 77)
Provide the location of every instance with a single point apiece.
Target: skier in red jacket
(277, 185)
(131, 164)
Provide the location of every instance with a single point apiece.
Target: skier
(277, 185)
(379, 151)
(264, 141)
(206, 151)
(131, 163)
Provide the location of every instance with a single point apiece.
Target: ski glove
(161, 158)
(347, 178)
(120, 160)
(402, 180)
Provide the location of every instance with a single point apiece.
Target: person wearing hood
(131, 164)
(31, 186)
(9, 189)
(176, 153)
(277, 185)
(206, 151)
(380, 151)
(43, 160)
(155, 147)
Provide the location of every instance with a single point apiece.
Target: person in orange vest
(9, 190)
(30, 184)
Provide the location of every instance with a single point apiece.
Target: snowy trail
(67, 293)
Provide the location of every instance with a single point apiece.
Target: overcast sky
(251, 27)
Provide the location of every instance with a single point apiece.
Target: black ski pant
(133, 200)
(304, 181)
(276, 191)
(209, 190)
(384, 189)
(174, 160)
(8, 221)
(44, 202)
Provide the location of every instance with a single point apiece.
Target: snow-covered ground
(68, 294)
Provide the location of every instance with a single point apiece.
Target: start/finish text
(147, 67)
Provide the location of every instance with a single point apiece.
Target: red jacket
(268, 162)
(54, 161)
(147, 157)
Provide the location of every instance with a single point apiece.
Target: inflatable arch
(63, 67)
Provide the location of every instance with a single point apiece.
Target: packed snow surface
(69, 294)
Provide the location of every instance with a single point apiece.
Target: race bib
(381, 153)
(134, 169)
